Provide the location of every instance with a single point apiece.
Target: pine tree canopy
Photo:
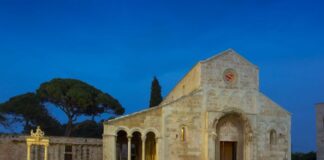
(76, 98)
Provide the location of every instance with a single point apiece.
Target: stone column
(28, 151)
(62, 151)
(50, 153)
(248, 146)
(212, 145)
(143, 147)
(74, 151)
(84, 151)
(56, 152)
(78, 152)
(129, 147)
(109, 147)
(45, 152)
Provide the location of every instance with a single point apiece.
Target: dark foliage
(27, 109)
(88, 128)
(303, 156)
(3, 120)
(76, 98)
(156, 97)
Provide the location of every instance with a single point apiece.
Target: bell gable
(229, 70)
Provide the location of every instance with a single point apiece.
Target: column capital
(129, 137)
(250, 136)
(213, 135)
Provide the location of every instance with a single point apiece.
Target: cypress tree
(156, 97)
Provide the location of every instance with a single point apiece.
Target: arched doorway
(230, 140)
(122, 145)
(136, 148)
(150, 146)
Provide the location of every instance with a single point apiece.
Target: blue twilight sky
(119, 45)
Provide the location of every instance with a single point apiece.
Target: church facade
(216, 112)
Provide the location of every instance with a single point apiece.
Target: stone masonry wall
(213, 69)
(243, 96)
(146, 119)
(203, 101)
(184, 112)
(188, 84)
(320, 131)
(273, 119)
(13, 147)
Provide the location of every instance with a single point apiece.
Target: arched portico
(132, 143)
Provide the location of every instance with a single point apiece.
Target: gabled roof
(197, 65)
(134, 113)
(227, 52)
(275, 104)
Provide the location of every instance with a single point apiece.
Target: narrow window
(88, 154)
(183, 90)
(68, 152)
(273, 137)
(183, 134)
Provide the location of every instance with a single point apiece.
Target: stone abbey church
(216, 112)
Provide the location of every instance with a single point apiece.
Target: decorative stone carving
(228, 131)
(250, 137)
(38, 134)
(213, 135)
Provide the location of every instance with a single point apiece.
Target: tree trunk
(27, 127)
(68, 128)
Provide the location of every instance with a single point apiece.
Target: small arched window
(183, 89)
(273, 137)
(183, 134)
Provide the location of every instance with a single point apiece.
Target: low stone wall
(13, 147)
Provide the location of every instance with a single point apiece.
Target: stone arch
(150, 146)
(273, 137)
(240, 113)
(155, 131)
(136, 144)
(122, 128)
(136, 129)
(239, 133)
(121, 144)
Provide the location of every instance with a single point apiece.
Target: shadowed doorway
(228, 150)
(230, 138)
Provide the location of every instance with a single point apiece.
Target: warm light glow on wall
(183, 134)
